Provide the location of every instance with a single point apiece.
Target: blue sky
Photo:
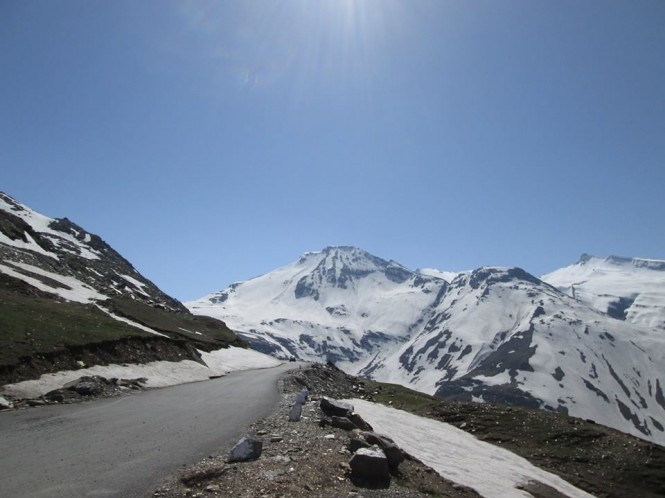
(210, 142)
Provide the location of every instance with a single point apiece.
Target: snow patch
(158, 373)
(458, 456)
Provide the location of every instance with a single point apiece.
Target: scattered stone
(332, 407)
(261, 433)
(369, 467)
(276, 439)
(56, 396)
(248, 448)
(87, 386)
(36, 402)
(329, 436)
(213, 488)
(195, 477)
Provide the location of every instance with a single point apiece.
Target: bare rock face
(248, 448)
(369, 467)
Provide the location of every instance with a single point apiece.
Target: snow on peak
(620, 261)
(631, 289)
(57, 235)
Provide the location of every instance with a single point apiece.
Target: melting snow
(158, 373)
(74, 290)
(458, 456)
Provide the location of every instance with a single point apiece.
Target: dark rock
(332, 407)
(296, 413)
(301, 397)
(355, 443)
(56, 396)
(369, 468)
(393, 452)
(248, 448)
(87, 386)
(36, 402)
(342, 423)
(359, 422)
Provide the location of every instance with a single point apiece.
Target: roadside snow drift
(458, 456)
(158, 373)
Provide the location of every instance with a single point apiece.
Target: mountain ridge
(493, 334)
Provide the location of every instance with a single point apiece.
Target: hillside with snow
(68, 299)
(630, 289)
(488, 335)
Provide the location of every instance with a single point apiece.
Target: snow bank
(158, 373)
(458, 456)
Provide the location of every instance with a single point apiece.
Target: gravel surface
(302, 459)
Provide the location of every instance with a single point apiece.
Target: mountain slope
(493, 335)
(65, 294)
(501, 335)
(631, 289)
(341, 304)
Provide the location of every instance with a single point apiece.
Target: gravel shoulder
(300, 459)
(306, 459)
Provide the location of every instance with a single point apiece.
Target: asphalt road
(122, 447)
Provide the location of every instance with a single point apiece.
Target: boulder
(342, 423)
(296, 413)
(369, 467)
(355, 443)
(248, 448)
(301, 397)
(332, 407)
(393, 452)
(359, 422)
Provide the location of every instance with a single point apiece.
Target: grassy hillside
(41, 333)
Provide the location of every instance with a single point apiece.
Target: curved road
(122, 447)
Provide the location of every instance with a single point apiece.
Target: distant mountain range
(586, 340)
(68, 299)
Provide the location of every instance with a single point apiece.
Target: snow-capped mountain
(341, 304)
(492, 334)
(630, 289)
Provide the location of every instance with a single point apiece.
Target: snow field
(458, 456)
